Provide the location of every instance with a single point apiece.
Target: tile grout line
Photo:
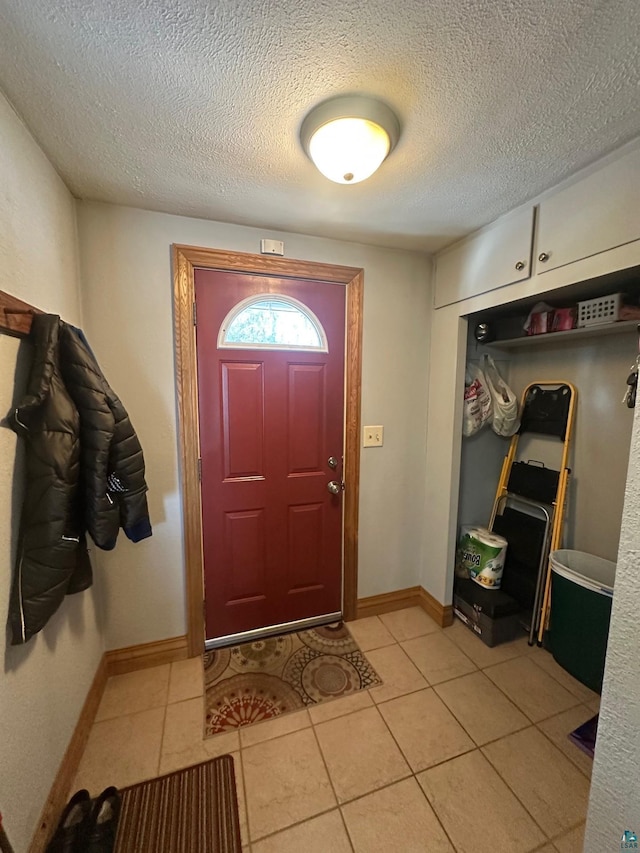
(297, 823)
(412, 775)
(550, 739)
(242, 773)
(415, 776)
(246, 797)
(522, 711)
(444, 680)
(426, 686)
(557, 680)
(409, 775)
(533, 725)
(480, 748)
(506, 695)
(567, 831)
(333, 787)
(266, 722)
(487, 758)
(160, 751)
(468, 733)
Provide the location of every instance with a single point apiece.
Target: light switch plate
(373, 436)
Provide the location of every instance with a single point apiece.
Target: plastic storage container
(490, 614)
(581, 595)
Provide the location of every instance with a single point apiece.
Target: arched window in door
(272, 321)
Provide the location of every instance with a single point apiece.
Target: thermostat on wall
(271, 247)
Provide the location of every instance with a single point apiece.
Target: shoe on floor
(99, 830)
(71, 824)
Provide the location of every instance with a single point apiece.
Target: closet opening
(597, 359)
(583, 337)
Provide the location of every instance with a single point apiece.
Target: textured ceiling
(194, 106)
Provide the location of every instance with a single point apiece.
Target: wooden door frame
(185, 260)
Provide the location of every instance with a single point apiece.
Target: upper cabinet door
(494, 257)
(596, 213)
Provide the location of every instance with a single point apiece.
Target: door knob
(520, 265)
(335, 486)
(332, 462)
(543, 256)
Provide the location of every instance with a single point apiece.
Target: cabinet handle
(520, 265)
(543, 256)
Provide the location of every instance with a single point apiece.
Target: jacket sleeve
(125, 478)
(86, 386)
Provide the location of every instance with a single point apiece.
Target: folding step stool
(530, 502)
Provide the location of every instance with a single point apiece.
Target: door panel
(245, 553)
(269, 421)
(242, 415)
(305, 548)
(306, 402)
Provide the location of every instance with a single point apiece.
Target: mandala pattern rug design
(267, 678)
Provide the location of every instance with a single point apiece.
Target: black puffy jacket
(85, 471)
(52, 559)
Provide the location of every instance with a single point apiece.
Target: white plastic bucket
(587, 570)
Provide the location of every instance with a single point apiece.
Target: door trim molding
(185, 261)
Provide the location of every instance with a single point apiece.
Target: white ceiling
(194, 106)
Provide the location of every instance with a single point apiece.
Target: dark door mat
(194, 810)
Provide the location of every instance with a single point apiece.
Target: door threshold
(271, 630)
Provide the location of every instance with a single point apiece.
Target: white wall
(613, 802)
(127, 282)
(44, 683)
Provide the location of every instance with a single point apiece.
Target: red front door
(270, 419)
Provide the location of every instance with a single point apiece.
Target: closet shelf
(568, 336)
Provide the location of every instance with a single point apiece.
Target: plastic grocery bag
(478, 405)
(505, 404)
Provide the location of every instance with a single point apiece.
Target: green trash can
(581, 595)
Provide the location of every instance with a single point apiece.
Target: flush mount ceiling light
(348, 137)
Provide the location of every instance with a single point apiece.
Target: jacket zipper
(22, 629)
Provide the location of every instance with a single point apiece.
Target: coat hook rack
(15, 315)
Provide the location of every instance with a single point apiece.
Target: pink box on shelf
(541, 323)
(564, 319)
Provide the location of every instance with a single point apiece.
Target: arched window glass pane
(272, 321)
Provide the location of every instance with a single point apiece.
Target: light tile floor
(463, 748)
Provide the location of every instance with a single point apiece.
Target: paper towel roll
(483, 555)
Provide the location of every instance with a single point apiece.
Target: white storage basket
(604, 309)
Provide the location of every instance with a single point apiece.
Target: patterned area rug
(267, 678)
